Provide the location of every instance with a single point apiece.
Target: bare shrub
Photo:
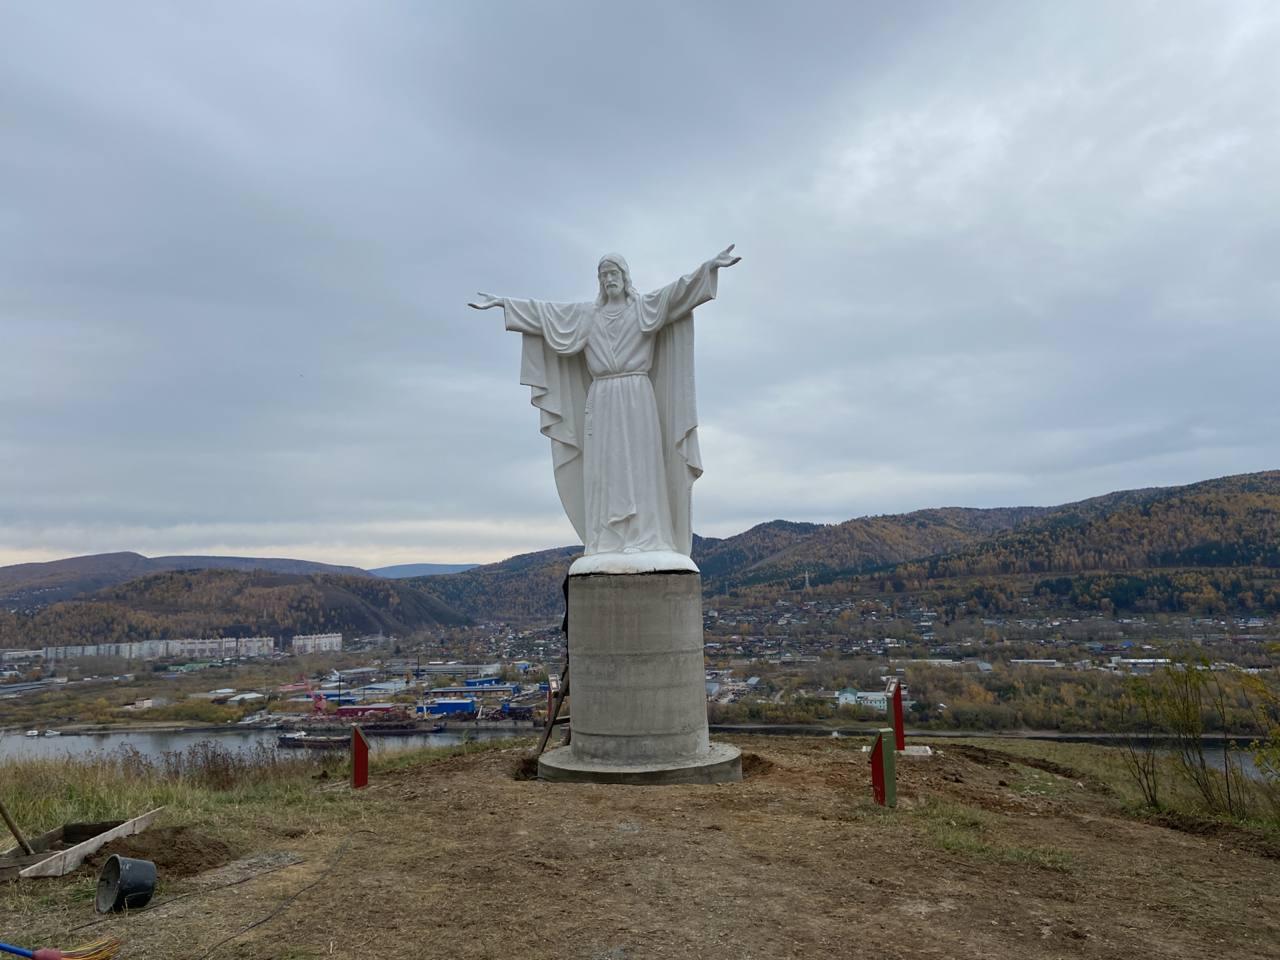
(1140, 710)
(1187, 693)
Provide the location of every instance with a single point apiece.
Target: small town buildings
(1051, 664)
(316, 643)
(445, 707)
(190, 648)
(872, 699)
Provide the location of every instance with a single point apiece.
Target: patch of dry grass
(968, 831)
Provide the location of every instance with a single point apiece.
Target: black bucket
(125, 884)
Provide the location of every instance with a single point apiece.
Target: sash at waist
(616, 376)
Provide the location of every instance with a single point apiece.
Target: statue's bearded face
(611, 279)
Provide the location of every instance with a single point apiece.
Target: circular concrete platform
(721, 764)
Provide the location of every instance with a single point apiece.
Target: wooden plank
(12, 866)
(40, 844)
(64, 861)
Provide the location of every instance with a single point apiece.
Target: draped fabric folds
(558, 388)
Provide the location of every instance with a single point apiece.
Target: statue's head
(614, 276)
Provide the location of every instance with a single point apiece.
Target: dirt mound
(999, 758)
(525, 768)
(179, 851)
(981, 755)
(754, 765)
(1230, 834)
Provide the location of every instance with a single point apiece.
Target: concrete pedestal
(637, 684)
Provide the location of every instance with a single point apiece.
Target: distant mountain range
(1231, 524)
(529, 586)
(1210, 545)
(26, 585)
(34, 585)
(402, 570)
(231, 603)
(780, 550)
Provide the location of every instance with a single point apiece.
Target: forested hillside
(529, 586)
(526, 587)
(870, 542)
(1232, 522)
(27, 586)
(1207, 548)
(720, 559)
(229, 603)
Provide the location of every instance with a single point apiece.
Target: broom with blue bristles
(103, 949)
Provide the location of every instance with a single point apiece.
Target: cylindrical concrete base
(637, 684)
(720, 764)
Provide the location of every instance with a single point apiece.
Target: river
(153, 744)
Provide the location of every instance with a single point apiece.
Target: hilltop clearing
(992, 853)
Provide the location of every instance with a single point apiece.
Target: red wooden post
(899, 734)
(877, 769)
(359, 759)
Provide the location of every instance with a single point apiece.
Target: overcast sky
(993, 254)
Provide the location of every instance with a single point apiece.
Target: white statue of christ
(613, 381)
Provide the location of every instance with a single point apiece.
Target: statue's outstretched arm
(685, 293)
(562, 325)
(724, 258)
(487, 301)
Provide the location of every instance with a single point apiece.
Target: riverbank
(153, 744)
(870, 729)
(284, 722)
(1026, 849)
(526, 727)
(124, 728)
(533, 728)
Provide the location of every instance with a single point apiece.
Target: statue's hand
(724, 258)
(486, 301)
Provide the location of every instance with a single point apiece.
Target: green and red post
(884, 770)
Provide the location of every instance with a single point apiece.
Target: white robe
(617, 400)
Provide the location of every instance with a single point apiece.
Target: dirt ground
(987, 855)
(177, 851)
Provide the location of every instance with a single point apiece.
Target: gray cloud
(993, 255)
